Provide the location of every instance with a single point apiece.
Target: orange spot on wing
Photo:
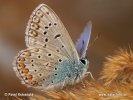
(21, 59)
(26, 70)
(29, 77)
(21, 65)
(28, 53)
(34, 33)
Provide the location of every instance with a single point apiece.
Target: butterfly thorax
(82, 69)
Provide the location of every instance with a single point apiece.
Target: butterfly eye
(84, 61)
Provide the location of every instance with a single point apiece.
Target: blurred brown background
(112, 18)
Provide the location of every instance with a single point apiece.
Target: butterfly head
(84, 62)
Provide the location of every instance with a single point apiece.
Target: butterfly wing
(48, 45)
(37, 66)
(46, 29)
(82, 43)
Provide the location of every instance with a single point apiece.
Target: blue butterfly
(51, 60)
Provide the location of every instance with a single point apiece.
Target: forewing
(82, 43)
(35, 66)
(45, 29)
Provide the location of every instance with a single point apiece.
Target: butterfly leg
(80, 79)
(90, 75)
(83, 83)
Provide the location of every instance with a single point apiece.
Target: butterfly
(51, 60)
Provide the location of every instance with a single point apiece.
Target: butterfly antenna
(98, 35)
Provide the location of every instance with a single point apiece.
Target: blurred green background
(112, 18)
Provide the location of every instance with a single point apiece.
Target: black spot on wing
(39, 56)
(83, 42)
(55, 24)
(58, 35)
(46, 40)
(60, 60)
(44, 45)
(62, 46)
(47, 13)
(40, 74)
(45, 32)
(46, 27)
(55, 68)
(32, 60)
(49, 54)
(50, 24)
